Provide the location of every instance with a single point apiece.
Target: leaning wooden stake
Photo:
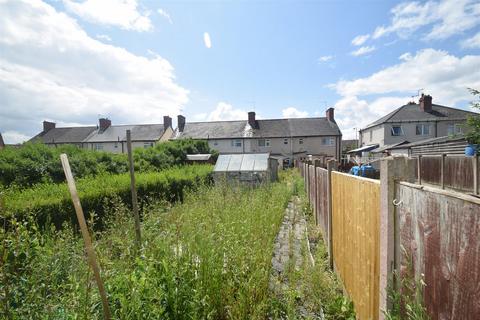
(92, 259)
(138, 236)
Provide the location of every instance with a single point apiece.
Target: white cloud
(406, 56)
(119, 13)
(165, 14)
(292, 112)
(446, 18)
(362, 50)
(12, 137)
(473, 42)
(359, 40)
(325, 58)
(103, 37)
(225, 111)
(444, 76)
(206, 40)
(51, 69)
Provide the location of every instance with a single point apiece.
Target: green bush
(35, 163)
(51, 203)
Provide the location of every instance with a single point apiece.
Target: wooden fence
(366, 223)
(355, 232)
(450, 172)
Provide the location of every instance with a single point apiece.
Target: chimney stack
(47, 126)
(180, 123)
(104, 123)
(425, 103)
(167, 122)
(330, 114)
(251, 120)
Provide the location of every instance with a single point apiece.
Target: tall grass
(207, 258)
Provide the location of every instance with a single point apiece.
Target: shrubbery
(35, 163)
(51, 203)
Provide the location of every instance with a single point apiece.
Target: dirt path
(291, 252)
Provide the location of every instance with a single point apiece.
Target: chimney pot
(252, 119)
(104, 123)
(330, 114)
(47, 126)
(167, 122)
(425, 103)
(180, 123)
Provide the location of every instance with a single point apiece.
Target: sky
(73, 61)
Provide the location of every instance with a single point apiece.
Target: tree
(473, 122)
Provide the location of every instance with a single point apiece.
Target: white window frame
(147, 145)
(300, 141)
(236, 143)
(328, 141)
(285, 141)
(392, 132)
(263, 142)
(424, 129)
(454, 128)
(99, 146)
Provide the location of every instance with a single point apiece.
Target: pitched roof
(437, 140)
(65, 135)
(141, 132)
(270, 128)
(412, 112)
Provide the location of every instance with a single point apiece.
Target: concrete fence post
(442, 176)
(316, 164)
(331, 165)
(392, 169)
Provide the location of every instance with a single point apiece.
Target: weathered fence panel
(440, 233)
(355, 232)
(322, 201)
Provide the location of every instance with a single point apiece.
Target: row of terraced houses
(287, 139)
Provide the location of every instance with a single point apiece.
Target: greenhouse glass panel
(261, 162)
(222, 163)
(235, 162)
(248, 162)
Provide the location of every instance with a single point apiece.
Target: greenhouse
(248, 168)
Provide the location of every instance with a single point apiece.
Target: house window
(116, 145)
(423, 130)
(147, 145)
(236, 143)
(264, 142)
(98, 146)
(215, 143)
(454, 128)
(300, 141)
(397, 131)
(285, 141)
(329, 141)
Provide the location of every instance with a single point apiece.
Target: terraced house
(105, 136)
(284, 139)
(415, 122)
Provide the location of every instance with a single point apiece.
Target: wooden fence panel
(322, 201)
(459, 173)
(355, 231)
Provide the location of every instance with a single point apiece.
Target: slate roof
(428, 141)
(412, 112)
(270, 128)
(141, 132)
(65, 135)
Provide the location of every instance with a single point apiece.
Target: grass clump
(206, 258)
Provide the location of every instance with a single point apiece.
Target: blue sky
(135, 61)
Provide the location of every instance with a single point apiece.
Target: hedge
(51, 203)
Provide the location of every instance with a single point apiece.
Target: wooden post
(330, 168)
(392, 169)
(442, 172)
(419, 169)
(92, 259)
(138, 236)
(476, 177)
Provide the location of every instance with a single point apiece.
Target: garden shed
(247, 168)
